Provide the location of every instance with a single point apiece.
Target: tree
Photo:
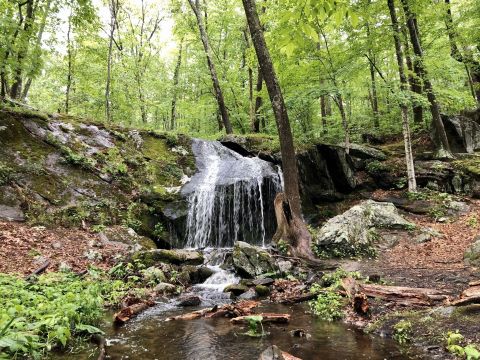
(412, 184)
(296, 233)
(176, 73)
(439, 135)
(114, 7)
(195, 5)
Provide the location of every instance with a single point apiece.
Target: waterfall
(230, 198)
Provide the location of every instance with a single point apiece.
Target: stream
(150, 337)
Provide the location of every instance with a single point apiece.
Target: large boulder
(250, 261)
(128, 237)
(176, 257)
(354, 232)
(472, 254)
(463, 133)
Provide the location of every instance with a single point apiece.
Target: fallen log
(130, 311)
(400, 295)
(471, 295)
(299, 298)
(39, 270)
(241, 308)
(266, 318)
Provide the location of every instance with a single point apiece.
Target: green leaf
(89, 329)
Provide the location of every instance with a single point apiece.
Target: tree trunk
(37, 48)
(323, 110)
(299, 238)
(472, 66)
(113, 5)
(414, 79)
(412, 184)
(374, 98)
(341, 107)
(69, 74)
(16, 89)
(195, 5)
(439, 136)
(176, 73)
(259, 101)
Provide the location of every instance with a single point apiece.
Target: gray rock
(128, 237)
(472, 254)
(458, 208)
(263, 281)
(249, 295)
(284, 266)
(463, 133)
(353, 232)
(251, 261)
(165, 288)
(236, 289)
(11, 213)
(422, 238)
(272, 353)
(365, 152)
(189, 300)
(262, 290)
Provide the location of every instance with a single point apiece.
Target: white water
(230, 198)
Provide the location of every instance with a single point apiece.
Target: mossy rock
(262, 290)
(176, 257)
(236, 289)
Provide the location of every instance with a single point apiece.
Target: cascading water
(230, 198)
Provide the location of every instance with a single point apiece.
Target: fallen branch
(471, 295)
(266, 318)
(242, 308)
(299, 298)
(128, 312)
(39, 270)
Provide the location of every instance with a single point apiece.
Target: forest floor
(437, 263)
(25, 248)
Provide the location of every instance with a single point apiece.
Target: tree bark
(341, 107)
(439, 136)
(16, 89)
(113, 6)
(412, 184)
(259, 119)
(374, 97)
(176, 73)
(471, 65)
(195, 5)
(69, 57)
(38, 45)
(323, 110)
(300, 239)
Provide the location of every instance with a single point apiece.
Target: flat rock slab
(176, 257)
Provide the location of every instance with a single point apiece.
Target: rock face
(472, 254)
(463, 133)
(65, 172)
(176, 257)
(353, 232)
(128, 237)
(251, 261)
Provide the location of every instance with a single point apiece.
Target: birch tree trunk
(412, 184)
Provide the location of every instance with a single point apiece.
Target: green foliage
(36, 317)
(402, 331)
(454, 345)
(327, 306)
(333, 280)
(282, 246)
(7, 174)
(255, 326)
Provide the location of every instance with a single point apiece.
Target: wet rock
(251, 294)
(251, 261)
(165, 288)
(176, 257)
(236, 289)
(263, 281)
(353, 232)
(202, 274)
(472, 254)
(262, 290)
(189, 300)
(301, 333)
(274, 353)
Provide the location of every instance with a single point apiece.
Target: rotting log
(130, 311)
(39, 270)
(242, 308)
(299, 298)
(266, 318)
(357, 298)
(401, 295)
(471, 295)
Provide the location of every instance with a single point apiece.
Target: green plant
(158, 230)
(255, 326)
(472, 221)
(282, 246)
(327, 306)
(6, 174)
(98, 228)
(454, 340)
(402, 331)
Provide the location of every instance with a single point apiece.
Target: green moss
(469, 165)
(7, 174)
